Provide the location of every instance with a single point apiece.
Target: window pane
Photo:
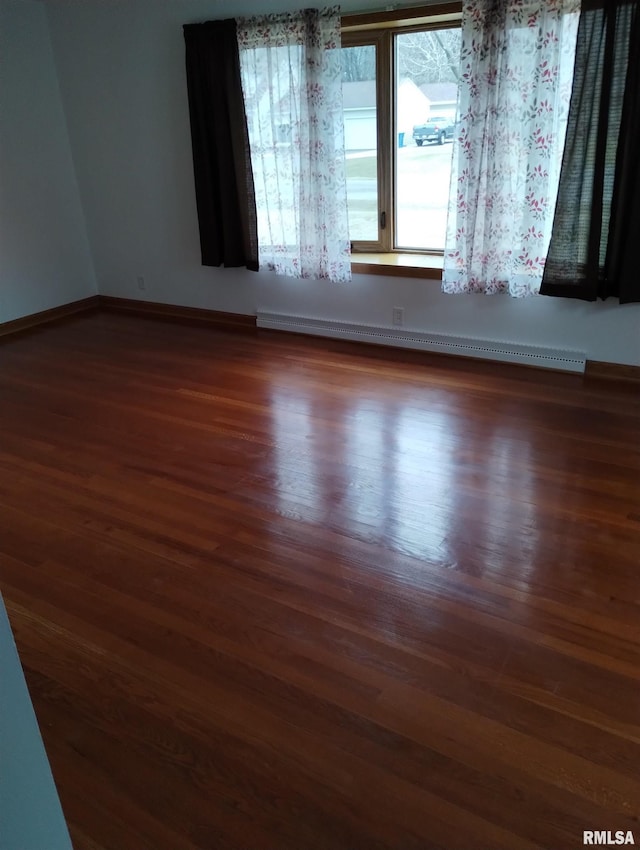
(361, 140)
(427, 64)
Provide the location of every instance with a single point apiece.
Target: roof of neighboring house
(362, 94)
(440, 92)
(359, 95)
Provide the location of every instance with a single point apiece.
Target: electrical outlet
(398, 316)
(141, 284)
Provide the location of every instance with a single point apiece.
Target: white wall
(121, 68)
(30, 813)
(44, 250)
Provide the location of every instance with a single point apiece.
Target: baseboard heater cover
(508, 352)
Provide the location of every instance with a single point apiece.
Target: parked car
(436, 129)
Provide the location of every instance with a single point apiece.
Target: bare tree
(358, 63)
(426, 56)
(430, 56)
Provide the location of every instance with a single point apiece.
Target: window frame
(379, 29)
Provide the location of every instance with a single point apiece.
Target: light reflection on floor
(399, 474)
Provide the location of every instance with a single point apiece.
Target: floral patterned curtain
(516, 76)
(291, 78)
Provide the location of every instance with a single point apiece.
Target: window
(400, 73)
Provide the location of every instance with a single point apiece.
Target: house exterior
(359, 104)
(443, 98)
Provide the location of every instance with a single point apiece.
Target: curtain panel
(221, 159)
(291, 77)
(597, 219)
(516, 73)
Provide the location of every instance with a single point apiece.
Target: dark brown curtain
(220, 141)
(596, 229)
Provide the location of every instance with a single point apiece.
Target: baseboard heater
(508, 352)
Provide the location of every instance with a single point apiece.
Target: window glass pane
(361, 141)
(427, 73)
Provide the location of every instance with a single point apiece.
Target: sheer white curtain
(291, 78)
(516, 75)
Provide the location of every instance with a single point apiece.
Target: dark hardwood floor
(272, 592)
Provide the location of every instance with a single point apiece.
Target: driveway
(422, 189)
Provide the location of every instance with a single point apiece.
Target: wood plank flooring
(272, 592)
